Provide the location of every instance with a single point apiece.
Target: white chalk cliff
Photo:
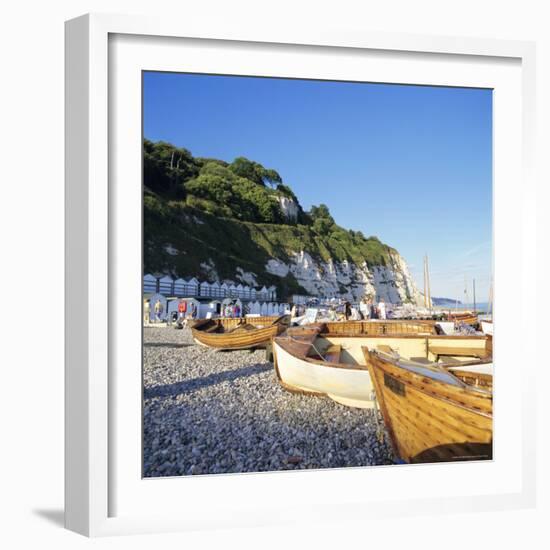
(288, 207)
(393, 282)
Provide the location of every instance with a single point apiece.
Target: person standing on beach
(364, 308)
(182, 309)
(381, 309)
(372, 307)
(146, 312)
(158, 310)
(347, 310)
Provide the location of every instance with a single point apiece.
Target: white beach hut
(173, 307)
(255, 308)
(252, 293)
(210, 309)
(224, 289)
(192, 287)
(205, 289)
(240, 290)
(264, 309)
(263, 294)
(149, 284)
(166, 284)
(215, 290)
(179, 287)
(232, 291)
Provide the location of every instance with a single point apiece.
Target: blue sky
(410, 164)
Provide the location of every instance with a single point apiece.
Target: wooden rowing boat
(467, 318)
(327, 358)
(431, 413)
(233, 334)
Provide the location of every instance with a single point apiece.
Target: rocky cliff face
(288, 207)
(392, 282)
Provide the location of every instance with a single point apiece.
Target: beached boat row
(434, 390)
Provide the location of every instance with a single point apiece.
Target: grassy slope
(230, 243)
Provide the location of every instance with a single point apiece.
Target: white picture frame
(104, 54)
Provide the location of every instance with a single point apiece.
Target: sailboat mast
(428, 284)
(474, 289)
(425, 295)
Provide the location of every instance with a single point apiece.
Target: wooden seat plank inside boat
(457, 351)
(384, 348)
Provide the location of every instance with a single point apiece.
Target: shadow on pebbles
(212, 412)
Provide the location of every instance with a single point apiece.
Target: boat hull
(257, 337)
(430, 419)
(347, 385)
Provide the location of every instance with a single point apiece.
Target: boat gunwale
(316, 331)
(462, 388)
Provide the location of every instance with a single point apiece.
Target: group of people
(186, 310)
(232, 310)
(367, 310)
(370, 310)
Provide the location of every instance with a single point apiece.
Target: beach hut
(264, 308)
(255, 308)
(163, 303)
(173, 306)
(179, 287)
(240, 290)
(172, 309)
(210, 309)
(252, 293)
(166, 284)
(224, 289)
(232, 291)
(149, 284)
(192, 287)
(205, 289)
(263, 294)
(246, 292)
(215, 290)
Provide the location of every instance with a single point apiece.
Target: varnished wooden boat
(327, 358)
(431, 413)
(233, 334)
(467, 318)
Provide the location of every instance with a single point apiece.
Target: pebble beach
(216, 412)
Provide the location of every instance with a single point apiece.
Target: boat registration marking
(394, 385)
